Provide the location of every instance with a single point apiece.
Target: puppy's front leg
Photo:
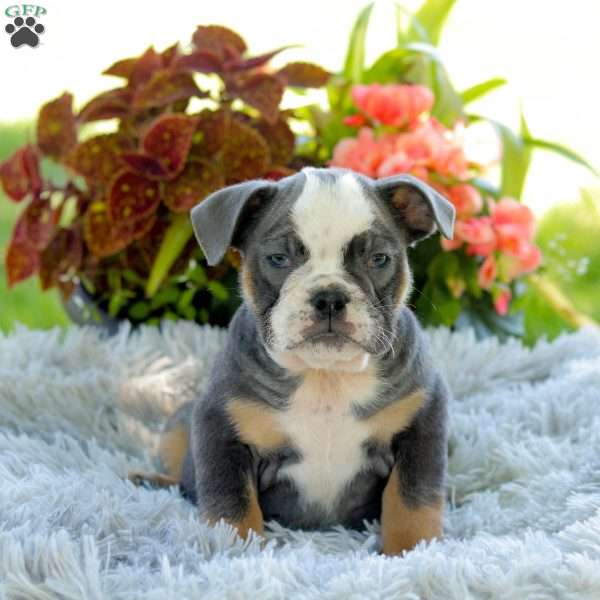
(225, 478)
(413, 499)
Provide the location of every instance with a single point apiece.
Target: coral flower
(466, 200)
(487, 273)
(508, 211)
(512, 266)
(396, 105)
(502, 301)
(362, 154)
(477, 232)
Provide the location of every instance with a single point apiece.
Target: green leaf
(415, 28)
(481, 89)
(355, 55)
(437, 306)
(139, 311)
(390, 67)
(132, 277)
(115, 303)
(174, 241)
(431, 16)
(186, 299)
(198, 276)
(218, 290)
(428, 69)
(516, 158)
(444, 265)
(448, 107)
(189, 312)
(165, 296)
(562, 151)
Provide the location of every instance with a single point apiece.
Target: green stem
(560, 303)
(176, 237)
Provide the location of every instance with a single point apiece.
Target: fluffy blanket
(78, 411)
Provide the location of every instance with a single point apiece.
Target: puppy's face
(325, 266)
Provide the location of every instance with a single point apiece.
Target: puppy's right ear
(218, 219)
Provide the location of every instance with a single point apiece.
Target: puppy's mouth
(334, 336)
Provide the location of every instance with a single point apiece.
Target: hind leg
(154, 480)
(172, 449)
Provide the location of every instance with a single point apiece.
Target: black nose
(329, 303)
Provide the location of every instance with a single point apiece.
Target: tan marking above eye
(396, 416)
(403, 527)
(256, 424)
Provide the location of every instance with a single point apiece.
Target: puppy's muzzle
(330, 304)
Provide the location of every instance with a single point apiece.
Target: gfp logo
(24, 29)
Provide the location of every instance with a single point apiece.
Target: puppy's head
(324, 258)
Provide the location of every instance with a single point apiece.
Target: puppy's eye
(301, 249)
(279, 261)
(378, 261)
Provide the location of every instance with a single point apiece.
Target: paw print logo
(24, 31)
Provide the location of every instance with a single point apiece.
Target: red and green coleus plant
(115, 220)
(402, 115)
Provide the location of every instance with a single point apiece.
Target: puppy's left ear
(417, 206)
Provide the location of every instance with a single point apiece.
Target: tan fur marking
(248, 287)
(252, 520)
(402, 528)
(172, 450)
(396, 417)
(256, 424)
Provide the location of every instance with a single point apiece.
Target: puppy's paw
(152, 480)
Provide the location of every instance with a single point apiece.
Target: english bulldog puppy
(323, 407)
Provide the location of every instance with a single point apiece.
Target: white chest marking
(320, 424)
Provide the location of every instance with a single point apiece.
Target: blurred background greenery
(568, 235)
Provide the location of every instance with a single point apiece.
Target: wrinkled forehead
(324, 208)
(332, 209)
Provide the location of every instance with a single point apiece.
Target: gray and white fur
(323, 407)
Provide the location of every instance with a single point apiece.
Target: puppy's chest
(321, 426)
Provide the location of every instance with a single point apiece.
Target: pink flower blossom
(394, 165)
(502, 301)
(487, 273)
(508, 211)
(356, 120)
(476, 231)
(466, 200)
(512, 266)
(396, 105)
(362, 154)
(453, 244)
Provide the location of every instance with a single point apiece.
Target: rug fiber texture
(78, 411)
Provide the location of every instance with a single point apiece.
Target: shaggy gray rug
(77, 412)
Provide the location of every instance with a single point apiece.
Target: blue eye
(279, 261)
(378, 261)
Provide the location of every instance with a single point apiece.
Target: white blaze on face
(327, 215)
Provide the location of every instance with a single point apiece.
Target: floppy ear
(416, 205)
(217, 220)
